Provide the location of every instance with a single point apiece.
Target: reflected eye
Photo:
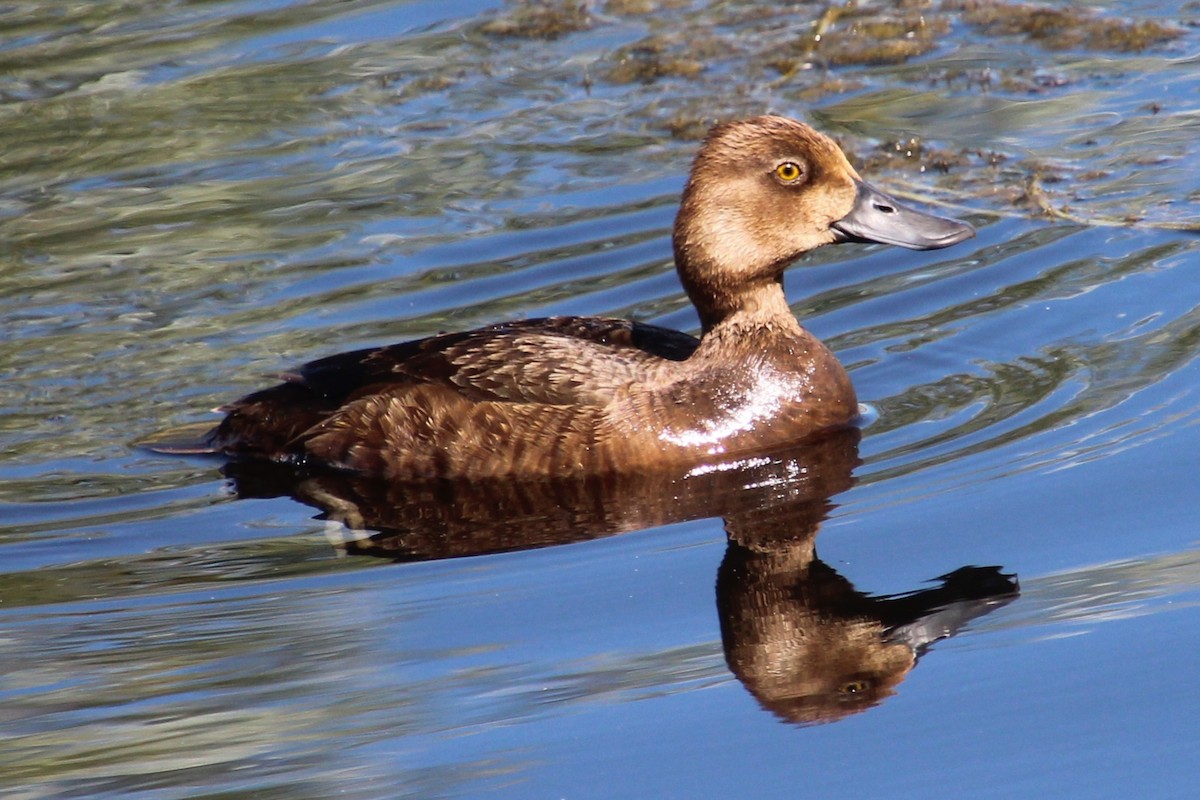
(789, 172)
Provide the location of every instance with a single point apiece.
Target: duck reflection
(811, 648)
(808, 645)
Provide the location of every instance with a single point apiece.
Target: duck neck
(757, 308)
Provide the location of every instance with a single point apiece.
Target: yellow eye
(789, 172)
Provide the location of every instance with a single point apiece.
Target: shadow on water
(808, 645)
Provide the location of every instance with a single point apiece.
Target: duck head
(762, 192)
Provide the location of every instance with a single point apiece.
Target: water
(193, 196)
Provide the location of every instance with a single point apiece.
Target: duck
(572, 396)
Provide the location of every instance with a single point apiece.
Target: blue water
(194, 197)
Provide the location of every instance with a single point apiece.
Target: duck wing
(565, 362)
(558, 360)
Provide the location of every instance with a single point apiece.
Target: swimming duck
(572, 396)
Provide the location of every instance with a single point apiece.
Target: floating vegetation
(848, 35)
(1064, 28)
(649, 60)
(541, 19)
(684, 41)
(913, 151)
(1022, 194)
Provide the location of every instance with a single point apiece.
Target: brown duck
(570, 396)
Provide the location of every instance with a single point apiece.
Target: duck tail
(195, 438)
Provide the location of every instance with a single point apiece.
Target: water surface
(197, 195)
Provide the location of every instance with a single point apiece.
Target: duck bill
(877, 217)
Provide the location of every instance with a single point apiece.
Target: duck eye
(789, 172)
